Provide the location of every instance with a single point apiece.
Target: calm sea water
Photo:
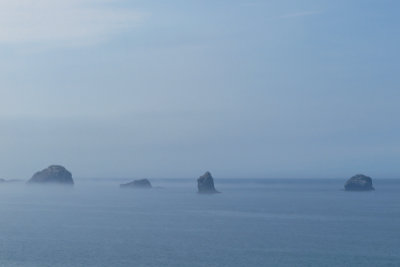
(252, 223)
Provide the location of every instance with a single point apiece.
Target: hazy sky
(174, 88)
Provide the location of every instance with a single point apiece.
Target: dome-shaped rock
(359, 182)
(54, 174)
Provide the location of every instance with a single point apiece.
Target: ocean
(253, 222)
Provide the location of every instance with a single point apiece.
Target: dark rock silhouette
(54, 174)
(143, 183)
(205, 184)
(359, 182)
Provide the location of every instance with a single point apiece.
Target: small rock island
(55, 174)
(359, 182)
(142, 183)
(205, 184)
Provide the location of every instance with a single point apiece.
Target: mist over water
(252, 223)
(169, 89)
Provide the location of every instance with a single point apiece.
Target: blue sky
(172, 89)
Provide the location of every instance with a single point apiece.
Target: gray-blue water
(252, 223)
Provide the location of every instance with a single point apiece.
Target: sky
(171, 89)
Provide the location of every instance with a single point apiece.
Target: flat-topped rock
(359, 182)
(55, 174)
(205, 184)
(142, 183)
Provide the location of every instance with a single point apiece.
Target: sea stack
(205, 184)
(143, 183)
(359, 182)
(54, 174)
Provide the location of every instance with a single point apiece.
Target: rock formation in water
(54, 174)
(205, 184)
(359, 182)
(143, 183)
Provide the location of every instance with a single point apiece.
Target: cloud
(300, 14)
(69, 22)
